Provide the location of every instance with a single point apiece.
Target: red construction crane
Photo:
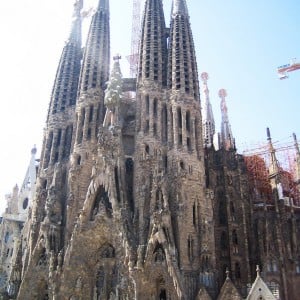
(285, 69)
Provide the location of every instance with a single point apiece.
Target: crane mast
(135, 37)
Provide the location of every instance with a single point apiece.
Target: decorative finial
(222, 93)
(257, 270)
(78, 5)
(268, 133)
(33, 150)
(227, 273)
(117, 57)
(204, 77)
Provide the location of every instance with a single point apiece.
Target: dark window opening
(182, 165)
(89, 134)
(163, 295)
(147, 104)
(147, 126)
(78, 160)
(91, 114)
(147, 149)
(117, 185)
(56, 157)
(164, 123)
(188, 121)
(189, 144)
(237, 271)
(179, 117)
(25, 203)
(180, 139)
(234, 237)
(154, 129)
(155, 104)
(222, 213)
(165, 162)
(129, 167)
(194, 214)
(224, 241)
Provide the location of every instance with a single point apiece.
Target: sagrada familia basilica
(133, 197)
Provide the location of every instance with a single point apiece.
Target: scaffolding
(257, 161)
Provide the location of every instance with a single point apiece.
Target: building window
(6, 237)
(25, 203)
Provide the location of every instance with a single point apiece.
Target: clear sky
(239, 43)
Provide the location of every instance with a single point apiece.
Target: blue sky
(239, 43)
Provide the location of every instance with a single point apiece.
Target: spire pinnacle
(274, 166)
(78, 5)
(180, 7)
(103, 5)
(207, 114)
(274, 171)
(227, 273)
(182, 67)
(257, 270)
(297, 158)
(227, 139)
(296, 144)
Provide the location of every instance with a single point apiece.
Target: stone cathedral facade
(133, 198)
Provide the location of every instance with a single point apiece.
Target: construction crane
(135, 37)
(285, 69)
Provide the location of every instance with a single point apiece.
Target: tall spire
(274, 168)
(182, 72)
(297, 158)
(274, 172)
(64, 90)
(153, 45)
(227, 140)
(207, 115)
(58, 134)
(95, 67)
